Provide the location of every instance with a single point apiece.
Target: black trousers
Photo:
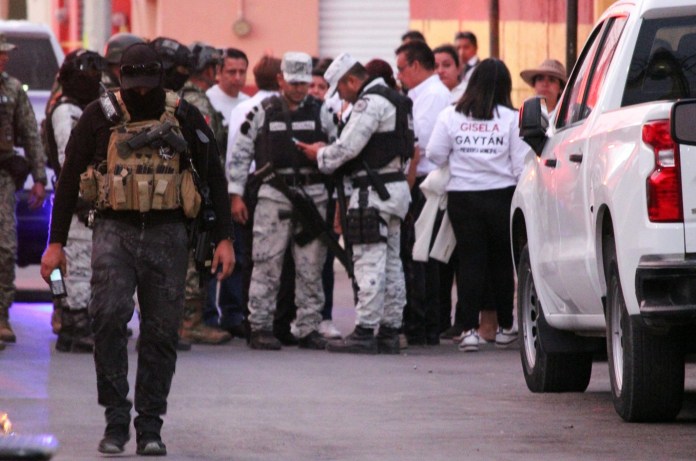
(151, 260)
(480, 220)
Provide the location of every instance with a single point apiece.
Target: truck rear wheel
(646, 369)
(545, 372)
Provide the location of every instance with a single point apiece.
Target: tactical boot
(75, 334)
(360, 341)
(264, 340)
(56, 317)
(194, 330)
(115, 438)
(314, 340)
(6, 333)
(388, 340)
(150, 444)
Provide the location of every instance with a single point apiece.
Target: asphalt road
(430, 403)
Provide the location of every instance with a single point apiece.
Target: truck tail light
(664, 183)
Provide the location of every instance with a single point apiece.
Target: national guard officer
(372, 148)
(17, 124)
(134, 152)
(268, 137)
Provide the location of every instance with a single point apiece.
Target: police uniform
(370, 130)
(265, 138)
(17, 125)
(140, 239)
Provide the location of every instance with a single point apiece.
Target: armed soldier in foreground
(268, 136)
(137, 153)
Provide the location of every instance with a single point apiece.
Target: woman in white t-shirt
(479, 138)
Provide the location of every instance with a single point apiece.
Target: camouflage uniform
(17, 114)
(378, 270)
(272, 232)
(195, 295)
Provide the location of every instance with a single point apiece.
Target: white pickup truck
(603, 221)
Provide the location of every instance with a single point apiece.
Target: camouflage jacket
(198, 98)
(18, 126)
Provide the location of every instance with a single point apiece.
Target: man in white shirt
(232, 74)
(415, 63)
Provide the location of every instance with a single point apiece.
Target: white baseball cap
(296, 67)
(338, 68)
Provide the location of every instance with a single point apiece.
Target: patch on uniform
(304, 125)
(360, 105)
(245, 128)
(277, 126)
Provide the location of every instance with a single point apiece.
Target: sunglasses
(141, 70)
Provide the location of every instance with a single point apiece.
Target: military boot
(6, 333)
(56, 316)
(75, 334)
(360, 341)
(388, 340)
(194, 330)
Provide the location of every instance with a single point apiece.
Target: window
(663, 66)
(33, 62)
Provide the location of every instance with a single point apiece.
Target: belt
(364, 181)
(149, 219)
(302, 179)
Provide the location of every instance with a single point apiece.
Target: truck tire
(646, 369)
(545, 372)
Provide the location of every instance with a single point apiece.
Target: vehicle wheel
(544, 372)
(646, 369)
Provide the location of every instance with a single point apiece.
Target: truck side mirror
(533, 123)
(683, 122)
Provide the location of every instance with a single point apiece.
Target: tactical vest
(143, 177)
(274, 141)
(47, 134)
(382, 148)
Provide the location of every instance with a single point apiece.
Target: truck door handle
(575, 158)
(550, 162)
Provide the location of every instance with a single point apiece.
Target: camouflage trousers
(271, 237)
(78, 255)
(8, 241)
(194, 294)
(380, 278)
(151, 260)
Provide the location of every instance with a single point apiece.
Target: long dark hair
(490, 85)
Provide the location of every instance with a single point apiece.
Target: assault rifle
(307, 214)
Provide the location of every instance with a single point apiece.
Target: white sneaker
(505, 337)
(328, 330)
(470, 341)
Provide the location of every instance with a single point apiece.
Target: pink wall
(277, 26)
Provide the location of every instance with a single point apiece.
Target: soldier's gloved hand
(240, 213)
(52, 257)
(224, 256)
(36, 196)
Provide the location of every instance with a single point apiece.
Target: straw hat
(550, 67)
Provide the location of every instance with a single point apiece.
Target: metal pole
(572, 34)
(494, 28)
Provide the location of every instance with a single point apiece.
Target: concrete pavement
(430, 403)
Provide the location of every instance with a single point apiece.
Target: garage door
(366, 29)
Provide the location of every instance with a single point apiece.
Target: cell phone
(57, 284)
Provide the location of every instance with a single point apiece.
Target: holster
(18, 168)
(363, 223)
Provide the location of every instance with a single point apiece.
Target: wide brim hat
(140, 67)
(6, 46)
(550, 67)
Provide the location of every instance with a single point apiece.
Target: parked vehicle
(603, 220)
(35, 62)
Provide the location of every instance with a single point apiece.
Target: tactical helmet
(172, 53)
(204, 55)
(117, 43)
(79, 75)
